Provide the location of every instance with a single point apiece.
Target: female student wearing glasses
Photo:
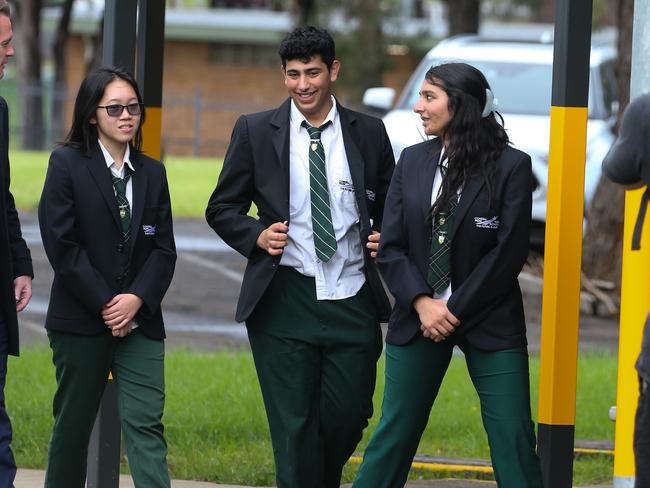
(454, 239)
(106, 224)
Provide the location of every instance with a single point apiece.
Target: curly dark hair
(303, 43)
(473, 143)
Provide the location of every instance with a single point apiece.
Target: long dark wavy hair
(83, 135)
(472, 143)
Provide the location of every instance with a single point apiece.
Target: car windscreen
(521, 88)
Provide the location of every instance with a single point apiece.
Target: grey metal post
(119, 34)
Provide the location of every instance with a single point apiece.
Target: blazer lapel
(280, 138)
(356, 162)
(139, 190)
(102, 176)
(468, 194)
(427, 173)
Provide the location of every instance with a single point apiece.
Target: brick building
(218, 64)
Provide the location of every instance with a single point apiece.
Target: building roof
(221, 25)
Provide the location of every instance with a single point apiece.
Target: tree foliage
(27, 16)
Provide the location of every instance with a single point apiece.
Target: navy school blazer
(81, 233)
(489, 248)
(256, 169)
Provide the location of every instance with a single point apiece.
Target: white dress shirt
(342, 276)
(120, 172)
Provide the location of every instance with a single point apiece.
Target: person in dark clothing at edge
(311, 295)
(628, 164)
(16, 271)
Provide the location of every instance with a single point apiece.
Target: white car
(520, 74)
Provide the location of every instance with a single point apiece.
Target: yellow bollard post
(635, 304)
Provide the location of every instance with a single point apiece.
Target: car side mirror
(379, 99)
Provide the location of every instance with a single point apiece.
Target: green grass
(217, 430)
(191, 181)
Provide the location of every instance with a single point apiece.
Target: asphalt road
(200, 304)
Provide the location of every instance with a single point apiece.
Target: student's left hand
(373, 243)
(118, 312)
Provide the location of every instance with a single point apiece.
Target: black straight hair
(303, 43)
(83, 134)
(473, 142)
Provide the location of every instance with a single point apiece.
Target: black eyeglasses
(116, 110)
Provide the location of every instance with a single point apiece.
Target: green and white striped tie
(321, 215)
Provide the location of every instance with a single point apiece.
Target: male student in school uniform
(311, 296)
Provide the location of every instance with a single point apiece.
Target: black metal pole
(149, 71)
(119, 34)
(103, 469)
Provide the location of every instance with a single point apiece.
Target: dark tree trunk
(60, 87)
(95, 60)
(463, 16)
(370, 57)
(604, 232)
(29, 15)
(418, 9)
(625, 14)
(546, 11)
(304, 12)
(363, 50)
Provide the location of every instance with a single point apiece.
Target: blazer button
(120, 247)
(119, 279)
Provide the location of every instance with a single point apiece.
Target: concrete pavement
(34, 478)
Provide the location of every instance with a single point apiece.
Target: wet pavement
(200, 304)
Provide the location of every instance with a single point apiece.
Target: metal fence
(194, 123)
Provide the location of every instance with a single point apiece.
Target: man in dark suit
(311, 296)
(15, 261)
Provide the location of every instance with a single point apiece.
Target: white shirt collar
(297, 117)
(109, 159)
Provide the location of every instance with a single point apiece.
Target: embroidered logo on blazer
(371, 195)
(483, 223)
(346, 186)
(149, 230)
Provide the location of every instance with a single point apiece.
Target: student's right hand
(436, 321)
(274, 238)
